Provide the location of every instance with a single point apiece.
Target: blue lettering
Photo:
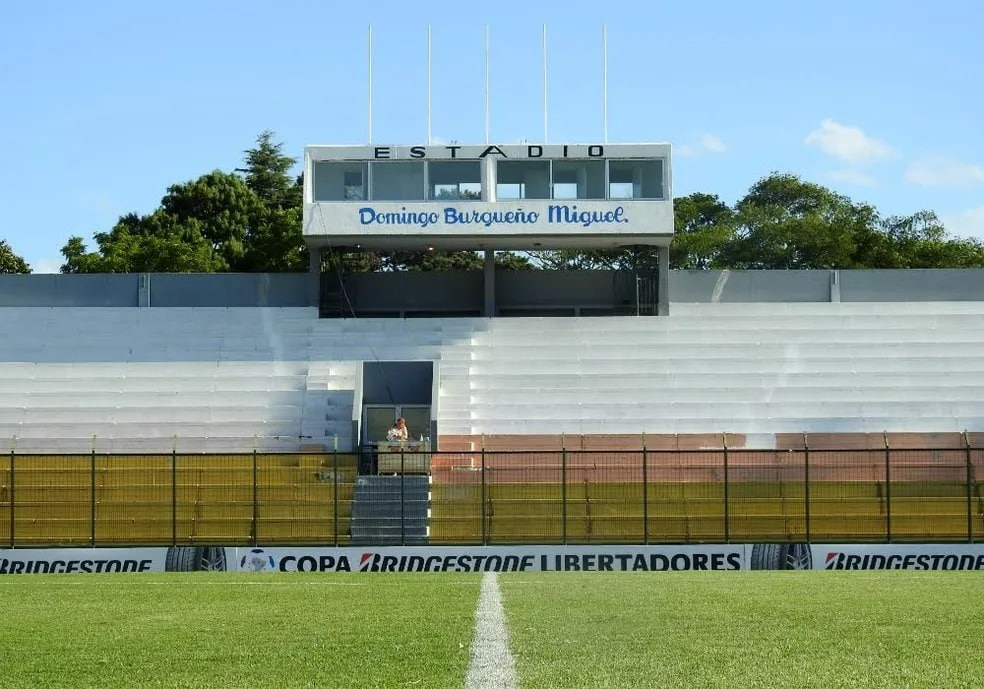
(368, 216)
(571, 215)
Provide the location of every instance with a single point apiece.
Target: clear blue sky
(105, 104)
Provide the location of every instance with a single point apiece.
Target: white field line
(492, 665)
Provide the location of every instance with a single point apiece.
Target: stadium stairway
(391, 510)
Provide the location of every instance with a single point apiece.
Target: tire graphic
(781, 556)
(195, 559)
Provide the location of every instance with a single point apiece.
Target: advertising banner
(534, 558)
(82, 560)
(493, 559)
(916, 557)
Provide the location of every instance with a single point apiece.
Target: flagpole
(370, 83)
(429, 137)
(545, 131)
(604, 79)
(486, 83)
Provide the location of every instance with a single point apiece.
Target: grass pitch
(684, 629)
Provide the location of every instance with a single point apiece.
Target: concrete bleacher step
(390, 509)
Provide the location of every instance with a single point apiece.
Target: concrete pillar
(143, 290)
(835, 286)
(488, 307)
(663, 287)
(314, 270)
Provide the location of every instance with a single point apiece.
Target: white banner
(918, 557)
(492, 559)
(82, 560)
(553, 558)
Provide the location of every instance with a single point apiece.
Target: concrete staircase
(391, 510)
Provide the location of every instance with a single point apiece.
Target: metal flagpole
(604, 79)
(429, 138)
(370, 83)
(486, 83)
(545, 136)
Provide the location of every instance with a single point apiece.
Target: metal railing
(499, 497)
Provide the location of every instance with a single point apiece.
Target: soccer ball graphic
(256, 561)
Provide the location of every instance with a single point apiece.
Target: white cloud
(848, 143)
(708, 143)
(854, 177)
(712, 144)
(942, 171)
(46, 265)
(966, 224)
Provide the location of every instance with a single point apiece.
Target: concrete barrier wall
(459, 292)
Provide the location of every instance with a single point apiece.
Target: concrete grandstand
(279, 377)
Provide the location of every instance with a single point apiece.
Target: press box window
(635, 179)
(455, 180)
(398, 181)
(522, 179)
(340, 181)
(579, 179)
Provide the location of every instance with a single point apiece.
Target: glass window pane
(398, 181)
(635, 179)
(377, 421)
(455, 179)
(522, 179)
(579, 179)
(339, 181)
(418, 421)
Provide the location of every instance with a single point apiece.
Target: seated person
(399, 432)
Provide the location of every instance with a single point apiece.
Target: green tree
(267, 173)
(921, 241)
(786, 223)
(247, 220)
(703, 225)
(274, 239)
(156, 243)
(10, 262)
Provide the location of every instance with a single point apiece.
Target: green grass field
(687, 629)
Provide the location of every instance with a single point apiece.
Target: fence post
(888, 489)
(403, 496)
(256, 502)
(563, 489)
(174, 490)
(13, 481)
(970, 488)
(727, 517)
(334, 491)
(645, 492)
(806, 483)
(92, 494)
(485, 531)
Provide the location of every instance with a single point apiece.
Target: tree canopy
(11, 262)
(250, 220)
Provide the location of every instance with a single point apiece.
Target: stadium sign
(467, 215)
(458, 152)
(488, 196)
